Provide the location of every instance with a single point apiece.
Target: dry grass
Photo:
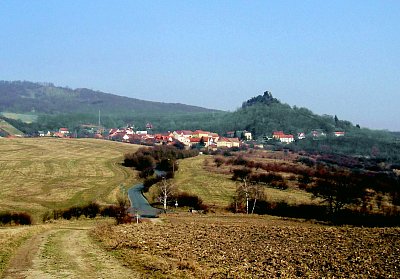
(253, 247)
(44, 173)
(213, 188)
(11, 238)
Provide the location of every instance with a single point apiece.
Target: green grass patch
(27, 118)
(213, 188)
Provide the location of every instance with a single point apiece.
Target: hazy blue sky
(333, 57)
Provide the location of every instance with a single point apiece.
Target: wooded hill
(46, 98)
(56, 107)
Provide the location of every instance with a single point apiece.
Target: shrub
(189, 200)
(219, 161)
(17, 218)
(91, 210)
(306, 161)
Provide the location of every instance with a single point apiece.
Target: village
(187, 139)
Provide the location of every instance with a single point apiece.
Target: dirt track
(64, 253)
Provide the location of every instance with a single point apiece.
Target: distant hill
(264, 114)
(45, 98)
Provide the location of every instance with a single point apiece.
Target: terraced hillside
(41, 174)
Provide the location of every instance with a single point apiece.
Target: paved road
(139, 203)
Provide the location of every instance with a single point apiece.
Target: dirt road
(65, 252)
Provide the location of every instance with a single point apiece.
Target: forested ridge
(57, 107)
(46, 98)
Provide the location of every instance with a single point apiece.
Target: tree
(256, 192)
(336, 121)
(338, 190)
(243, 188)
(247, 190)
(202, 143)
(166, 190)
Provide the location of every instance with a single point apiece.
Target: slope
(45, 98)
(43, 174)
(8, 129)
(264, 114)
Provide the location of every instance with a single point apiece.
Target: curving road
(139, 203)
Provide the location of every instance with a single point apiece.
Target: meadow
(41, 174)
(200, 176)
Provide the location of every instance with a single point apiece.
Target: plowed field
(253, 247)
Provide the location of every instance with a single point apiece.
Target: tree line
(347, 194)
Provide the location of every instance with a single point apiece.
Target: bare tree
(243, 188)
(166, 189)
(257, 192)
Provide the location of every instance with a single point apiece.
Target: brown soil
(254, 247)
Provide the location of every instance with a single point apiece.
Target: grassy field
(214, 189)
(27, 118)
(40, 174)
(218, 189)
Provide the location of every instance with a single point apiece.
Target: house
(141, 132)
(183, 133)
(165, 137)
(214, 136)
(194, 141)
(339, 134)
(247, 135)
(224, 142)
(183, 140)
(200, 133)
(318, 133)
(127, 137)
(41, 133)
(282, 137)
(59, 135)
(63, 131)
(183, 136)
(116, 134)
(301, 135)
(286, 139)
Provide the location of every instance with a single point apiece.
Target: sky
(333, 57)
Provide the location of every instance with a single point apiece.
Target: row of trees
(163, 158)
(354, 191)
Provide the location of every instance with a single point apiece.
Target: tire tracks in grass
(66, 252)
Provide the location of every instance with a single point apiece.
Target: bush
(306, 161)
(17, 218)
(189, 200)
(91, 210)
(118, 212)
